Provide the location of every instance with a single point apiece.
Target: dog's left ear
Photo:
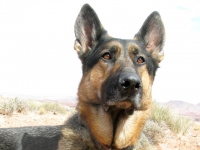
(88, 30)
(152, 33)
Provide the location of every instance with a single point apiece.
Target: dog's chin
(120, 104)
(125, 105)
(128, 105)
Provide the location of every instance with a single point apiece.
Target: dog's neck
(112, 129)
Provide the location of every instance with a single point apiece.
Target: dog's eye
(106, 56)
(140, 60)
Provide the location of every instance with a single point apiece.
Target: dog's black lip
(130, 111)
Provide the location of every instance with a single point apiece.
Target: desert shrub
(180, 124)
(8, 106)
(54, 107)
(42, 110)
(43, 107)
(197, 126)
(145, 144)
(159, 113)
(177, 123)
(33, 105)
(153, 131)
(151, 135)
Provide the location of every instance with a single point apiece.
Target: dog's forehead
(126, 44)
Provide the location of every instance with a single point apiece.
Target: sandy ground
(31, 119)
(190, 141)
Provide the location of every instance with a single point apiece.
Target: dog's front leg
(98, 122)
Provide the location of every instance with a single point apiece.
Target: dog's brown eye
(107, 56)
(140, 60)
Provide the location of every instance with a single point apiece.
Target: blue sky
(37, 57)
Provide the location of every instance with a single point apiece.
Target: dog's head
(118, 73)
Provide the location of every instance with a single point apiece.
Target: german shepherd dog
(115, 93)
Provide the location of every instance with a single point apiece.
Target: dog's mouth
(116, 99)
(129, 104)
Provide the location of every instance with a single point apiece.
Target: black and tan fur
(113, 115)
(115, 92)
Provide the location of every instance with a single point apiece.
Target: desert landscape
(180, 132)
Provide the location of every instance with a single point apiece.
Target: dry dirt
(31, 119)
(191, 141)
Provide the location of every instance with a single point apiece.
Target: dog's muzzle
(123, 90)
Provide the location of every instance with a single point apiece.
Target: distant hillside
(185, 108)
(198, 104)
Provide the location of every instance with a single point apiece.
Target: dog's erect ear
(88, 30)
(152, 33)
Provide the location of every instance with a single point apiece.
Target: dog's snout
(130, 82)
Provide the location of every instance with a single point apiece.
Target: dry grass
(42, 110)
(154, 131)
(162, 119)
(8, 106)
(197, 126)
(176, 123)
(54, 107)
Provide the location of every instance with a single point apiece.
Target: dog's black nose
(130, 82)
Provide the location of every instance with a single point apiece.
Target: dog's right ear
(88, 30)
(152, 33)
